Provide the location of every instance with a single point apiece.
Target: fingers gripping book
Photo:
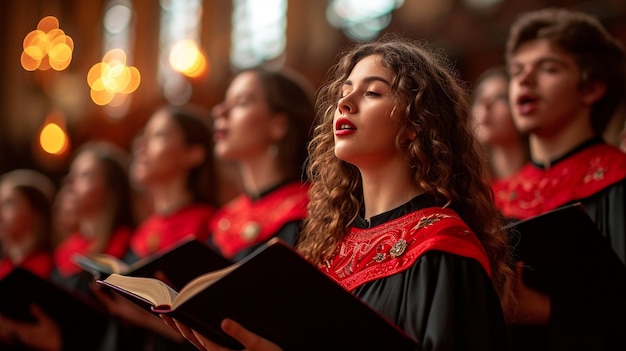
(276, 293)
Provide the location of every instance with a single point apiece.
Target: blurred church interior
(102, 66)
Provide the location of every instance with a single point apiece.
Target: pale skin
(246, 130)
(162, 162)
(18, 224)
(547, 101)
(367, 109)
(495, 128)
(549, 104)
(87, 185)
(367, 104)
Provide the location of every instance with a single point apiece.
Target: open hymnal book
(186, 260)
(273, 292)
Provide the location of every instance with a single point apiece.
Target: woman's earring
(412, 135)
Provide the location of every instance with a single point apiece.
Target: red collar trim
(159, 233)
(365, 255)
(534, 190)
(244, 222)
(39, 262)
(77, 244)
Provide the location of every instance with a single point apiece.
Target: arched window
(258, 33)
(180, 22)
(361, 20)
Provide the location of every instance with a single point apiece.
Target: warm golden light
(133, 83)
(111, 77)
(53, 139)
(187, 58)
(48, 23)
(101, 97)
(115, 55)
(47, 47)
(29, 63)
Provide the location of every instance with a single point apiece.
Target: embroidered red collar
(534, 190)
(365, 255)
(245, 222)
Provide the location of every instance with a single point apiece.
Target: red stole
(533, 190)
(158, 233)
(39, 262)
(364, 255)
(245, 222)
(77, 244)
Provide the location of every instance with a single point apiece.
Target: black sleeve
(444, 301)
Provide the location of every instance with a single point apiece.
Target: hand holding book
(56, 308)
(251, 341)
(44, 333)
(274, 293)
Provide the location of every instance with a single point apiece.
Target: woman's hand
(251, 341)
(533, 307)
(43, 334)
(129, 312)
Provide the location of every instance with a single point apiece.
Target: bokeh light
(53, 138)
(187, 58)
(111, 77)
(47, 47)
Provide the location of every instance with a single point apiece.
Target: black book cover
(75, 314)
(563, 250)
(276, 293)
(187, 260)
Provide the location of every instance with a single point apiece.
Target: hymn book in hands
(275, 293)
(71, 310)
(185, 261)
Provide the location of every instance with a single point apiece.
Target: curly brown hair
(444, 156)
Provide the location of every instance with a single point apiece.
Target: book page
(101, 262)
(151, 290)
(201, 283)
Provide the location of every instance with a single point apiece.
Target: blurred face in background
(86, 184)
(544, 91)
(159, 154)
(491, 112)
(242, 121)
(16, 215)
(65, 213)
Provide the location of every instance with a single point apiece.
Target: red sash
(244, 222)
(365, 255)
(76, 243)
(534, 190)
(158, 233)
(39, 262)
